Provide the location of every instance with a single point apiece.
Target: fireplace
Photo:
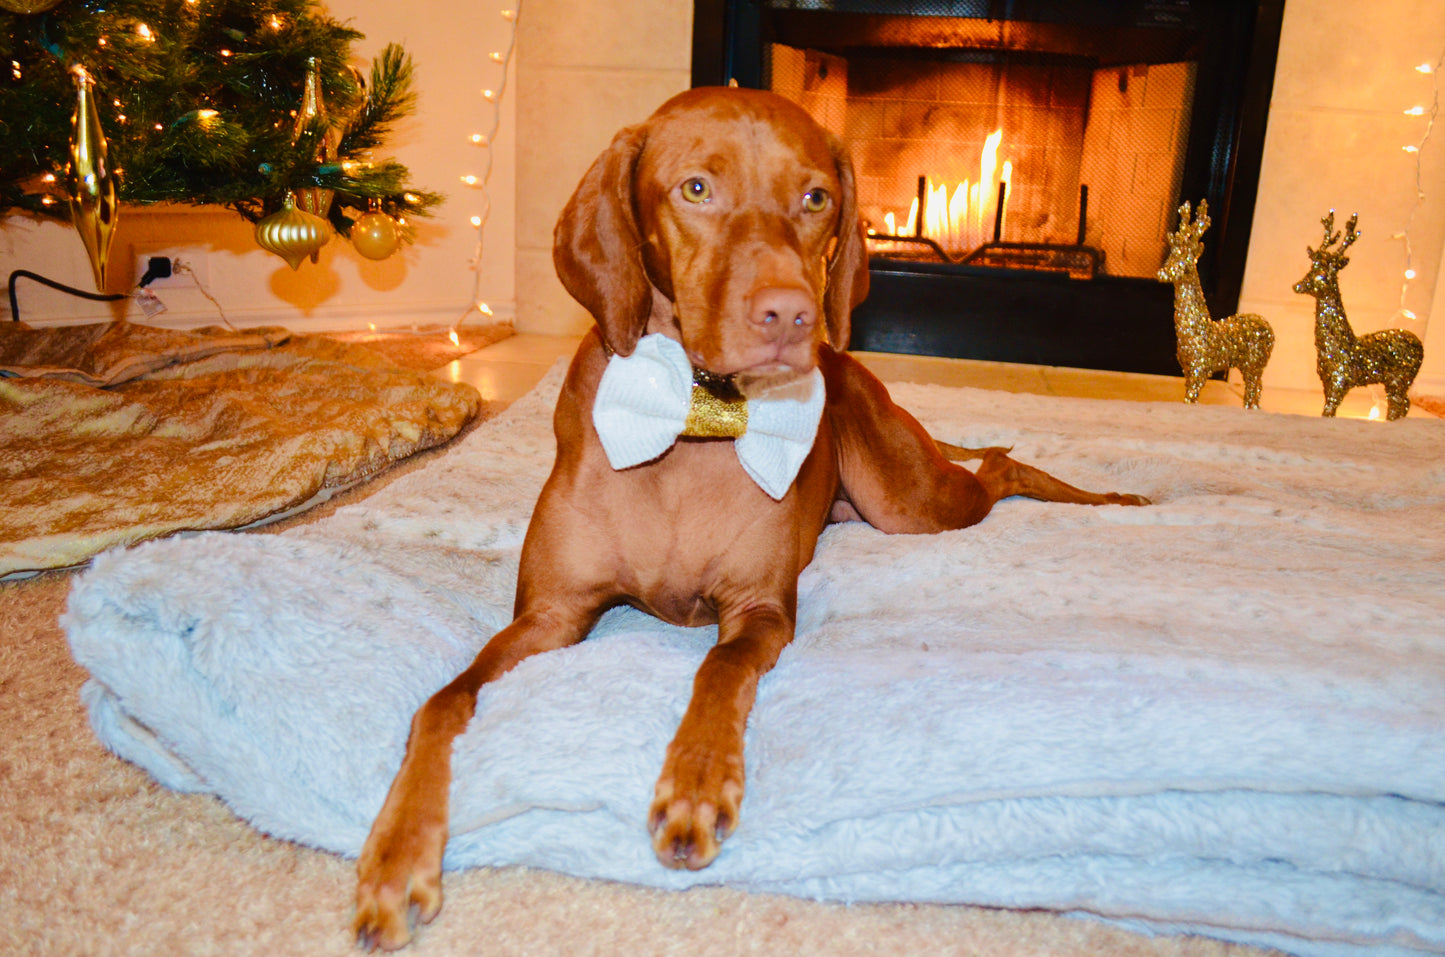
(1020, 161)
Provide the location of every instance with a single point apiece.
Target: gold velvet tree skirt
(117, 433)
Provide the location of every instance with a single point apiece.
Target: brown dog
(725, 223)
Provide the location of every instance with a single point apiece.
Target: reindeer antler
(1351, 234)
(1192, 231)
(1201, 218)
(1184, 213)
(1332, 237)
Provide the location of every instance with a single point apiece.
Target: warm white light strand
(1416, 150)
(486, 141)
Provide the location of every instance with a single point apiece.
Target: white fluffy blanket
(1223, 714)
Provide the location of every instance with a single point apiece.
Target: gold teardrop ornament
(291, 233)
(375, 235)
(314, 199)
(89, 181)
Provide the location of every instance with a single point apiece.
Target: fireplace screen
(1043, 146)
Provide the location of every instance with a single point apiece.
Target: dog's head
(729, 220)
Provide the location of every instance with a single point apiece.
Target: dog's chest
(693, 531)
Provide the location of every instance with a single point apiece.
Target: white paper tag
(150, 303)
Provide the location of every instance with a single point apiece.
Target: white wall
(431, 281)
(1345, 76)
(587, 69)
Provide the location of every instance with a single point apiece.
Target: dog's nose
(783, 312)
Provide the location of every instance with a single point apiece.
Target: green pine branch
(197, 99)
(390, 99)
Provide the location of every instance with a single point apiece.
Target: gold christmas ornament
(89, 182)
(314, 199)
(27, 6)
(1205, 346)
(375, 235)
(1390, 357)
(291, 233)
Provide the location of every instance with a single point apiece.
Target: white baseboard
(1432, 384)
(325, 319)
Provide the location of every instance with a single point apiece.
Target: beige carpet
(97, 859)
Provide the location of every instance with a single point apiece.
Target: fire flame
(961, 218)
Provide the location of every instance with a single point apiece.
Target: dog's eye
(696, 190)
(815, 200)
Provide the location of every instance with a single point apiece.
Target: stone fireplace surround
(589, 67)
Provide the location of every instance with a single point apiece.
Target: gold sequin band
(713, 417)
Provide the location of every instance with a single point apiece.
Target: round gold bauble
(28, 6)
(291, 233)
(375, 235)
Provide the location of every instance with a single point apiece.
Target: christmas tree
(201, 102)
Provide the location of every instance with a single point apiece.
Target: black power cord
(157, 267)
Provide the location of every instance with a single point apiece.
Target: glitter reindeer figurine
(1390, 357)
(1205, 346)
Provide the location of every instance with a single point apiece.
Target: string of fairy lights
(1416, 151)
(486, 141)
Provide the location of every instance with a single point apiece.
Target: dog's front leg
(400, 867)
(695, 805)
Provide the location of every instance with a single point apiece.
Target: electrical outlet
(186, 261)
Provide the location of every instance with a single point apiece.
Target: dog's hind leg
(898, 478)
(1003, 477)
(958, 453)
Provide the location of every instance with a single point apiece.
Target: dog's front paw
(1126, 498)
(695, 805)
(399, 881)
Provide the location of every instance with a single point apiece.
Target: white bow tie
(648, 399)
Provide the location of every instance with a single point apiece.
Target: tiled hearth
(507, 370)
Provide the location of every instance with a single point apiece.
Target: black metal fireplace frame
(1117, 323)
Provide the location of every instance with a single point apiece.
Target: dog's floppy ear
(848, 267)
(597, 247)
